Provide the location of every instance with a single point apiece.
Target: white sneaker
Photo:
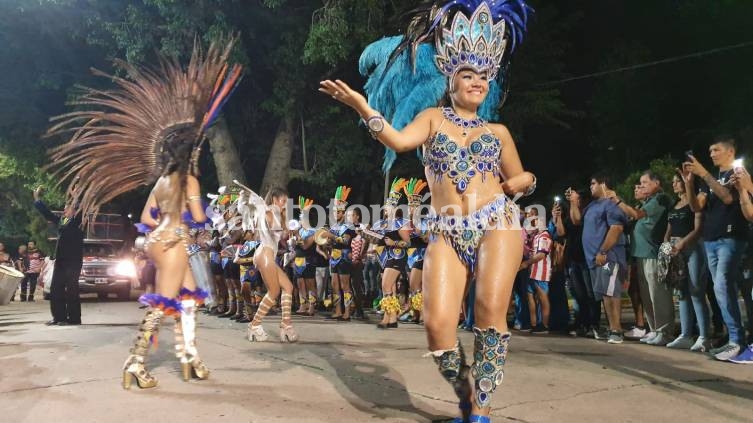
(731, 350)
(659, 340)
(635, 333)
(701, 345)
(681, 343)
(649, 336)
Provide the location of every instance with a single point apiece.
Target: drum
(9, 279)
(202, 274)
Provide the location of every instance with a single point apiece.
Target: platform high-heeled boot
(134, 366)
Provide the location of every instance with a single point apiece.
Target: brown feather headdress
(119, 144)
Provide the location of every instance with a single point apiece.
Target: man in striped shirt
(358, 253)
(540, 264)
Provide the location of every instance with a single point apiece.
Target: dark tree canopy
(620, 118)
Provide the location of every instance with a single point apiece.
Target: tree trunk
(225, 154)
(277, 172)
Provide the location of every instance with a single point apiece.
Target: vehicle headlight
(126, 268)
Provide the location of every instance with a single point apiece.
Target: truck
(108, 266)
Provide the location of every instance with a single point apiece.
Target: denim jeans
(693, 307)
(724, 260)
(371, 278)
(520, 295)
(589, 310)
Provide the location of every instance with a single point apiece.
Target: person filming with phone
(724, 234)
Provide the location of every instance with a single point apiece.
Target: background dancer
(395, 238)
(268, 217)
(340, 235)
(303, 264)
(419, 239)
(151, 125)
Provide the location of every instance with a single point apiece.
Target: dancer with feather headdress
(438, 85)
(152, 126)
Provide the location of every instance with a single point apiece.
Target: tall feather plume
(116, 141)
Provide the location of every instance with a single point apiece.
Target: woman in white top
(269, 216)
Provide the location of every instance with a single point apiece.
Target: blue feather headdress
(402, 72)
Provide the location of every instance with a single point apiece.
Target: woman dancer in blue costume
(151, 126)
(303, 264)
(471, 166)
(419, 238)
(393, 253)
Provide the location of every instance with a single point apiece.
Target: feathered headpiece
(341, 195)
(394, 197)
(413, 191)
(304, 202)
(128, 138)
(227, 195)
(403, 73)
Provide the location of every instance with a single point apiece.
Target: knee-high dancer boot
(454, 369)
(190, 362)
(287, 333)
(255, 330)
(489, 355)
(134, 364)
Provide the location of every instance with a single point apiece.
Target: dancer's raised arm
(409, 138)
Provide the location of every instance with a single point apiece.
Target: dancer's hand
(518, 183)
(341, 92)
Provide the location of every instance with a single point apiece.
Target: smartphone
(557, 200)
(689, 155)
(738, 164)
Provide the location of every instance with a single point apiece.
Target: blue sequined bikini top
(443, 156)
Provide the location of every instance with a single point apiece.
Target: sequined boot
(134, 364)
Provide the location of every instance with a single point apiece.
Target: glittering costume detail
(168, 236)
(454, 369)
(443, 156)
(464, 233)
(489, 353)
(134, 364)
(474, 43)
(348, 299)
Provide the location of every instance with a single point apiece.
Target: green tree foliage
(665, 168)
(566, 131)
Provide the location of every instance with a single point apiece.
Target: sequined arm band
(194, 198)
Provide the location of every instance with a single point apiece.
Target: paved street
(342, 372)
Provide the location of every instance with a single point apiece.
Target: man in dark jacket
(65, 303)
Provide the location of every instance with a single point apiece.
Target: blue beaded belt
(464, 233)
